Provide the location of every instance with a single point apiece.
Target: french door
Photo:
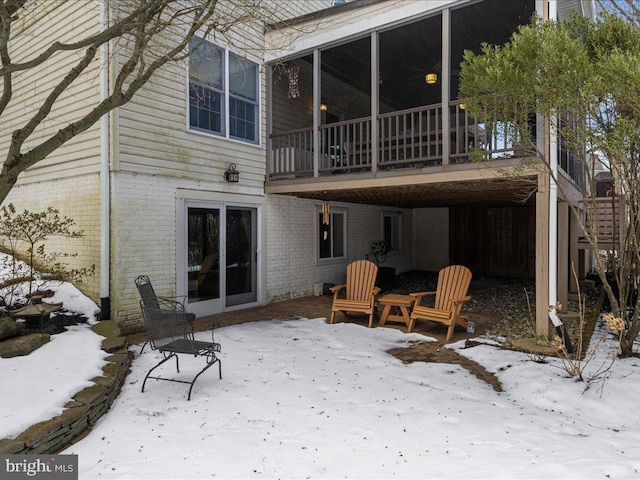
(221, 257)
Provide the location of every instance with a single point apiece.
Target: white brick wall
(144, 229)
(292, 266)
(143, 241)
(144, 236)
(79, 199)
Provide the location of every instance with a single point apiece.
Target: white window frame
(318, 229)
(226, 95)
(398, 217)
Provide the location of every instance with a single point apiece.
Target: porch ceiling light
(232, 175)
(431, 78)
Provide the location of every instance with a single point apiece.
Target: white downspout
(553, 216)
(553, 204)
(105, 186)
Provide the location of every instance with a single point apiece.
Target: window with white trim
(392, 228)
(332, 236)
(223, 92)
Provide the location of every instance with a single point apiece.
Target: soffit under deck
(488, 192)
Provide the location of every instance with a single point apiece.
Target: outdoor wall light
(232, 175)
(323, 107)
(431, 78)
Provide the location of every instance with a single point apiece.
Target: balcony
(408, 139)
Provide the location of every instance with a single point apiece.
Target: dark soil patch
(436, 353)
(58, 322)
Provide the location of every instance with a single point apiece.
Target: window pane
(391, 227)
(337, 220)
(205, 109)
(346, 80)
(206, 63)
(243, 77)
(392, 232)
(324, 241)
(388, 231)
(242, 119)
(407, 54)
(203, 250)
(466, 34)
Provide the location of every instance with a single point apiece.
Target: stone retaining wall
(86, 406)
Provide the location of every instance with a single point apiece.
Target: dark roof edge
(322, 14)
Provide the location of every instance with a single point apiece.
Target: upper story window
(223, 92)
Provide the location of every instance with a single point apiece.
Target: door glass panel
(203, 254)
(241, 256)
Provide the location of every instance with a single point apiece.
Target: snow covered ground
(305, 399)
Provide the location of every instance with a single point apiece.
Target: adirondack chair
(149, 299)
(206, 266)
(453, 283)
(360, 290)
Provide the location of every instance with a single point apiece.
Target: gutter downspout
(105, 185)
(553, 218)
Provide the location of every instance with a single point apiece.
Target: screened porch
(389, 100)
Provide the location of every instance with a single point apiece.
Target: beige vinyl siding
(65, 22)
(293, 9)
(309, 34)
(582, 7)
(154, 138)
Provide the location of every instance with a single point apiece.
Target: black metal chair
(169, 333)
(149, 299)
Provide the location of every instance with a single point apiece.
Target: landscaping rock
(8, 446)
(9, 328)
(24, 345)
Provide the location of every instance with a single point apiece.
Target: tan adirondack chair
(360, 290)
(453, 283)
(206, 266)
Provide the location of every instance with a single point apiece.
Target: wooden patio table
(396, 308)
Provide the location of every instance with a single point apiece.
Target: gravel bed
(506, 297)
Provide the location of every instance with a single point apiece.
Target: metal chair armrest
(170, 304)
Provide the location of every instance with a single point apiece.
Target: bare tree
(627, 9)
(148, 34)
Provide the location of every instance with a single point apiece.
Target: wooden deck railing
(412, 138)
(291, 154)
(604, 216)
(345, 147)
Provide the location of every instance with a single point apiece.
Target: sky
(304, 399)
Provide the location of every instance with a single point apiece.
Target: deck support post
(542, 254)
(375, 79)
(316, 112)
(445, 92)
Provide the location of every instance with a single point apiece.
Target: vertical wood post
(542, 255)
